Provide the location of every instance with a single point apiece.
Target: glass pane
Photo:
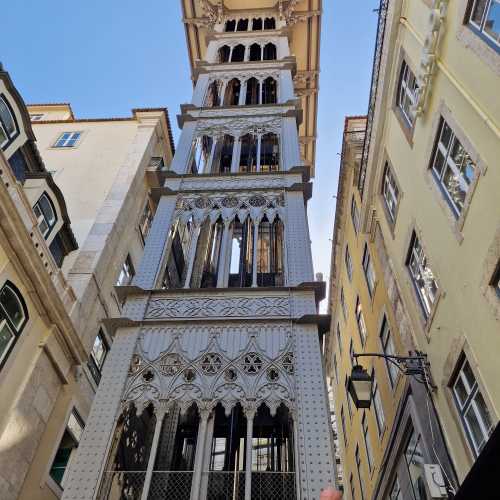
(47, 210)
(415, 462)
(75, 427)
(12, 306)
(438, 162)
(492, 22)
(6, 338)
(3, 137)
(469, 375)
(478, 11)
(446, 134)
(6, 118)
(484, 413)
(454, 188)
(476, 433)
(99, 350)
(460, 391)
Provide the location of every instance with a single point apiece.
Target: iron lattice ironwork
(174, 485)
(226, 485)
(122, 485)
(377, 56)
(273, 486)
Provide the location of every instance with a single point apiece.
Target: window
(495, 280)
(8, 125)
(396, 493)
(252, 92)
(214, 97)
(342, 303)
(269, 153)
(452, 167)
(473, 410)
(145, 221)
(360, 320)
(257, 24)
(224, 53)
(485, 18)
(238, 53)
(355, 215)
(348, 263)
(335, 368)
(248, 153)
(349, 407)
(422, 276)
(97, 356)
(360, 477)
(232, 93)
(414, 458)
(230, 25)
(57, 249)
(351, 353)
(390, 192)
(255, 54)
(369, 271)
(126, 273)
(36, 117)
(67, 140)
(407, 94)
(45, 214)
(269, 52)
(366, 437)
(389, 350)
(269, 23)
(67, 447)
(13, 317)
(269, 91)
(378, 408)
(157, 163)
(339, 339)
(342, 420)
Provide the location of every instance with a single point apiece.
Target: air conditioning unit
(435, 481)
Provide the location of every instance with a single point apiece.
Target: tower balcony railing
(227, 485)
(274, 485)
(174, 485)
(117, 485)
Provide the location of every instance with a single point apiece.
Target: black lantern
(360, 387)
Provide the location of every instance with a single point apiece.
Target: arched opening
(227, 455)
(230, 25)
(45, 213)
(269, 153)
(269, 52)
(269, 23)
(255, 52)
(241, 251)
(223, 155)
(232, 94)
(242, 25)
(176, 265)
(224, 53)
(257, 24)
(269, 91)
(248, 156)
(238, 53)
(128, 459)
(202, 148)
(253, 90)
(213, 97)
(273, 460)
(270, 253)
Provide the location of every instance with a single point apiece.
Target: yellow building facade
(423, 184)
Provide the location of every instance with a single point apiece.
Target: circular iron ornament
(252, 363)
(170, 364)
(230, 375)
(272, 375)
(148, 376)
(211, 363)
(189, 375)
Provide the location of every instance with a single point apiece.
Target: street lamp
(360, 383)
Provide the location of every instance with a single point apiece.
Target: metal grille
(119, 485)
(273, 486)
(226, 485)
(174, 485)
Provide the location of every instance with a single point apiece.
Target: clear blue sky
(106, 57)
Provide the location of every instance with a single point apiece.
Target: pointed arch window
(214, 98)
(253, 91)
(269, 153)
(238, 54)
(230, 25)
(270, 253)
(257, 24)
(202, 149)
(269, 23)
(13, 318)
(224, 53)
(269, 52)
(223, 155)
(255, 52)
(242, 25)
(240, 268)
(269, 91)
(248, 155)
(232, 93)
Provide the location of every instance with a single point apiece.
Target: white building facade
(214, 386)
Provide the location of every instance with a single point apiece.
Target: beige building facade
(428, 211)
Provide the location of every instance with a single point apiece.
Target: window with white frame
(360, 320)
(378, 408)
(452, 167)
(97, 356)
(485, 18)
(126, 273)
(45, 215)
(145, 221)
(339, 339)
(360, 477)
(368, 270)
(348, 263)
(13, 317)
(474, 413)
(67, 448)
(422, 276)
(390, 192)
(8, 125)
(67, 140)
(355, 215)
(368, 444)
(342, 303)
(407, 93)
(388, 349)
